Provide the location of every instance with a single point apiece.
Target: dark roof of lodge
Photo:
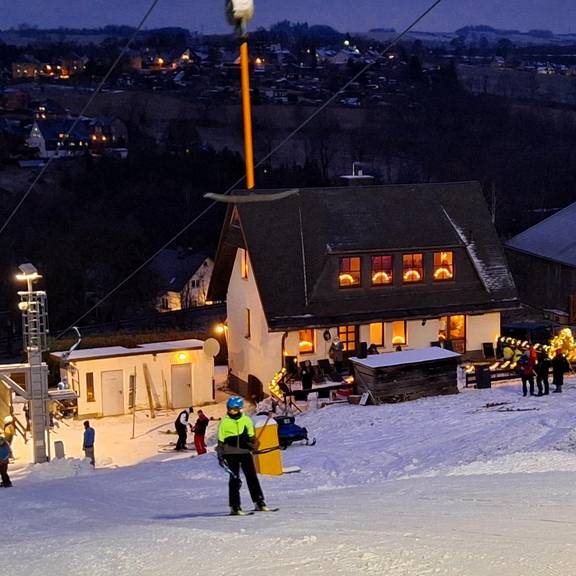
(295, 284)
(552, 239)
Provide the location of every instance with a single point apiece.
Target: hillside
(478, 484)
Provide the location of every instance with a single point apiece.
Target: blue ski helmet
(235, 402)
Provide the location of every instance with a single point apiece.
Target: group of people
(182, 423)
(534, 365)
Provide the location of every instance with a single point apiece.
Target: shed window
(306, 341)
(443, 266)
(349, 272)
(90, 396)
(412, 268)
(381, 270)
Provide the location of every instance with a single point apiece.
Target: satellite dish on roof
(211, 347)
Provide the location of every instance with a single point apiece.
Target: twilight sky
(344, 15)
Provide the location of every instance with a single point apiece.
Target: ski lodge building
(388, 266)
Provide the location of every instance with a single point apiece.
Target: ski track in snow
(445, 486)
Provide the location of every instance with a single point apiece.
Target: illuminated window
(412, 268)
(453, 330)
(443, 266)
(347, 335)
(306, 341)
(377, 334)
(381, 270)
(90, 396)
(349, 272)
(244, 265)
(399, 333)
(247, 323)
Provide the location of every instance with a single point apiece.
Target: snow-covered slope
(483, 483)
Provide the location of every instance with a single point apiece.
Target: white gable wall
(261, 354)
(159, 366)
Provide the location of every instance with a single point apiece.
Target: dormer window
(350, 274)
(382, 267)
(443, 266)
(412, 268)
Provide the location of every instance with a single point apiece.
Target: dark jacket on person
(559, 366)
(201, 425)
(542, 365)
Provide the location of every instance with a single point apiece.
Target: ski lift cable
(186, 227)
(82, 112)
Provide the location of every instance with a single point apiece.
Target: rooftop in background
(552, 239)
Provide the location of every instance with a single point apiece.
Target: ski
(247, 513)
(267, 510)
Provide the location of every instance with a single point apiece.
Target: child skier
(234, 450)
(200, 432)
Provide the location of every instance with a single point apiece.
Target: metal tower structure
(34, 331)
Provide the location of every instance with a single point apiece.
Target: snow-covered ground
(478, 484)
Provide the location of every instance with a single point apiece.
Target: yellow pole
(247, 115)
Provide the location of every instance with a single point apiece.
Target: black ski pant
(4, 473)
(527, 380)
(182, 437)
(244, 461)
(543, 385)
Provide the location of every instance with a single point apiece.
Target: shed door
(112, 392)
(181, 385)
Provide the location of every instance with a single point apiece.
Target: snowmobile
(289, 432)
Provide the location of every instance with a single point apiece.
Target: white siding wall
(261, 354)
(483, 328)
(159, 366)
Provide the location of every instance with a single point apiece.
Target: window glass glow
(350, 272)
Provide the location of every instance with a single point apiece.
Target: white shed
(109, 381)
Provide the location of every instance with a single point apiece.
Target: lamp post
(34, 332)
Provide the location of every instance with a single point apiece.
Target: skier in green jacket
(235, 447)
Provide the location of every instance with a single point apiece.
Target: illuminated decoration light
(346, 279)
(274, 385)
(565, 342)
(398, 340)
(412, 275)
(381, 278)
(258, 61)
(442, 274)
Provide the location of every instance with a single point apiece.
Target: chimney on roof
(357, 178)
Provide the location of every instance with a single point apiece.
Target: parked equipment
(289, 432)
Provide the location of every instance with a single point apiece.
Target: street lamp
(34, 333)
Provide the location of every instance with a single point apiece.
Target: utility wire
(83, 111)
(364, 69)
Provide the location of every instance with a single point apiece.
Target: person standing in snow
(236, 437)
(88, 442)
(559, 366)
(526, 370)
(181, 423)
(5, 454)
(542, 368)
(200, 432)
